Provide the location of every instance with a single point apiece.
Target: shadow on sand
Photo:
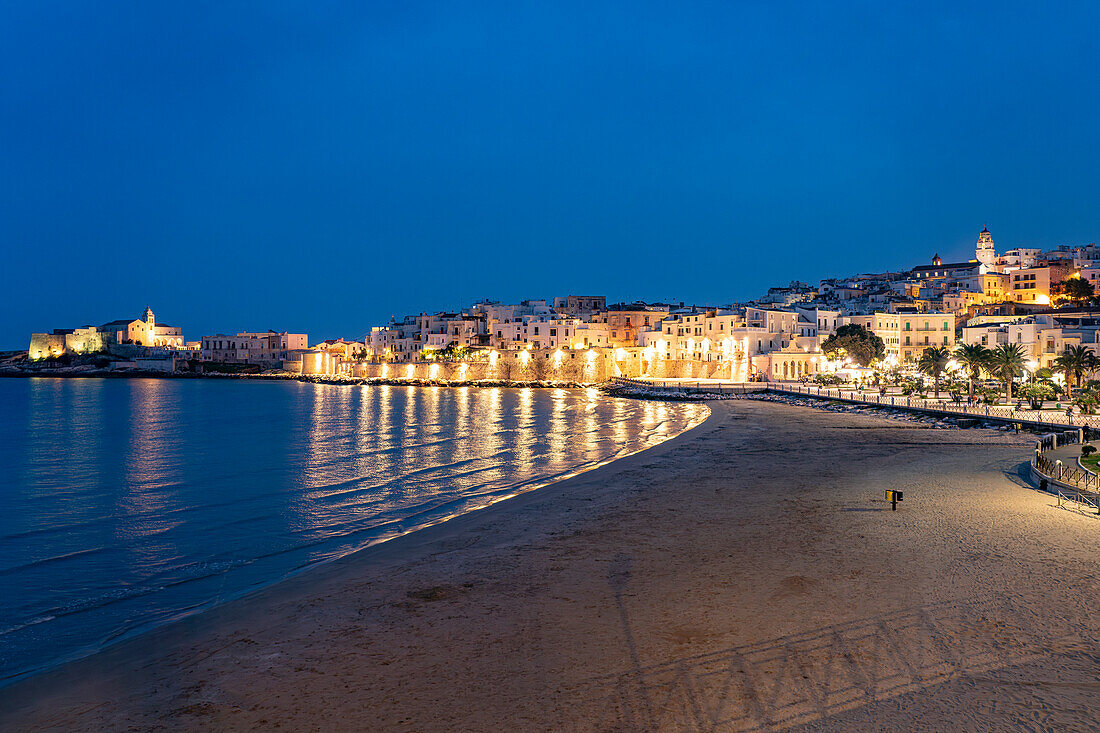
(809, 676)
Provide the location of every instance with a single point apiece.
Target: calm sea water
(125, 503)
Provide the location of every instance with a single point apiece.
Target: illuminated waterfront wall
(567, 365)
(586, 366)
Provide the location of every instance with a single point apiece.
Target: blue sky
(320, 167)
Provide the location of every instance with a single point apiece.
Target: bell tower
(984, 251)
(150, 326)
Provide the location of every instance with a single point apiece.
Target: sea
(128, 503)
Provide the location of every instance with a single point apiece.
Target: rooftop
(947, 266)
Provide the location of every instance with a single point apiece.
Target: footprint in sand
(794, 585)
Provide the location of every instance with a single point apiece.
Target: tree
(855, 341)
(1075, 362)
(1007, 361)
(1075, 289)
(974, 358)
(933, 362)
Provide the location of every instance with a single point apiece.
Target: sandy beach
(744, 576)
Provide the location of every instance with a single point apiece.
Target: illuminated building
(138, 332)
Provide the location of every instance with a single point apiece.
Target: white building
(265, 348)
(1044, 336)
(536, 332)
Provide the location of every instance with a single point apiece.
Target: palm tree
(1006, 361)
(974, 358)
(933, 362)
(1075, 362)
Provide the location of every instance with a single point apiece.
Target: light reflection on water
(126, 503)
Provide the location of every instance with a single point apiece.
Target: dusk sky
(279, 165)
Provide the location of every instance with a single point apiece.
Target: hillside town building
(990, 299)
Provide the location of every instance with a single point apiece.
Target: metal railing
(1072, 483)
(1090, 500)
(1050, 419)
(1079, 478)
(1007, 413)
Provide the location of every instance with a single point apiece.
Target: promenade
(1051, 417)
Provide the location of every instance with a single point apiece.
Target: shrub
(1036, 393)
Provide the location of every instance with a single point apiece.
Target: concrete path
(1067, 454)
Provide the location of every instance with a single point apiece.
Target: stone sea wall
(586, 367)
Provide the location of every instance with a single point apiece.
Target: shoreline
(308, 378)
(136, 635)
(630, 596)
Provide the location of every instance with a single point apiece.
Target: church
(985, 256)
(145, 332)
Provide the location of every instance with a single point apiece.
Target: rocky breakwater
(416, 382)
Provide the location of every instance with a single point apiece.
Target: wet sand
(744, 576)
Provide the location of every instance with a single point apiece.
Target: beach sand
(744, 576)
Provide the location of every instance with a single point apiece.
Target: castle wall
(86, 340)
(46, 344)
